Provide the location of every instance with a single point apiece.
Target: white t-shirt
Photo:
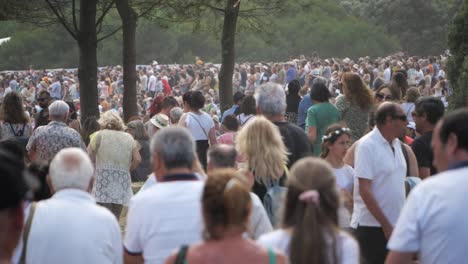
(408, 108)
(375, 161)
(433, 221)
(345, 178)
(199, 130)
(152, 83)
(163, 218)
(71, 228)
(348, 247)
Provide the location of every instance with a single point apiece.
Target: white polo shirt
(164, 217)
(71, 228)
(376, 161)
(434, 219)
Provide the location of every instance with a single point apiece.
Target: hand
(387, 229)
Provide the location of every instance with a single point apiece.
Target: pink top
(227, 138)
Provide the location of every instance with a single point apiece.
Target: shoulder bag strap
(271, 256)
(196, 119)
(245, 121)
(27, 228)
(182, 255)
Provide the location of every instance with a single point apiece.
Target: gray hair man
(46, 141)
(224, 156)
(70, 223)
(271, 102)
(177, 193)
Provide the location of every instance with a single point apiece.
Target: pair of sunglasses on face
(384, 97)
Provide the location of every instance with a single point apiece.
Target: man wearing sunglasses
(380, 191)
(43, 100)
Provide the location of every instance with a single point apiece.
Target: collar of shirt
(180, 177)
(73, 194)
(378, 136)
(458, 165)
(57, 123)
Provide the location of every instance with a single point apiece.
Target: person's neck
(276, 118)
(387, 135)
(178, 171)
(233, 233)
(426, 129)
(334, 161)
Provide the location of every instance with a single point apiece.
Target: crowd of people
(317, 161)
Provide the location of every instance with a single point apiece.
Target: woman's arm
(312, 134)
(212, 137)
(136, 157)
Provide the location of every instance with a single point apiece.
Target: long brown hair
(313, 223)
(356, 91)
(12, 109)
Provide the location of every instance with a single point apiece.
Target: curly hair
(12, 109)
(111, 120)
(356, 91)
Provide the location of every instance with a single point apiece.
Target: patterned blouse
(354, 117)
(114, 153)
(49, 140)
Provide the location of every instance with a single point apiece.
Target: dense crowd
(318, 161)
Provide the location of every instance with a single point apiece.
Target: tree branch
(104, 12)
(214, 8)
(109, 34)
(75, 24)
(61, 19)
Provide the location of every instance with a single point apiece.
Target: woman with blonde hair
(355, 103)
(226, 207)
(310, 232)
(115, 153)
(260, 143)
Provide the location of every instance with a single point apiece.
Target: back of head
(231, 123)
(58, 109)
(175, 114)
(175, 146)
(13, 188)
(238, 97)
(197, 100)
(137, 129)
(71, 168)
(319, 92)
(248, 106)
(270, 99)
(225, 203)
(431, 106)
(222, 156)
(168, 102)
(12, 109)
(293, 87)
(356, 91)
(311, 208)
(111, 120)
(455, 123)
(412, 94)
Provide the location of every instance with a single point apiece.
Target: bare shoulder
(281, 258)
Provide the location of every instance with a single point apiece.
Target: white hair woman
(115, 153)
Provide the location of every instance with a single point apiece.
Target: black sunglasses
(41, 99)
(401, 117)
(384, 97)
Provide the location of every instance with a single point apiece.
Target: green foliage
(321, 26)
(458, 62)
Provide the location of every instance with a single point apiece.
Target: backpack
(19, 136)
(273, 200)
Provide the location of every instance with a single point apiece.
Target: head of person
(13, 191)
(399, 81)
(379, 81)
(386, 93)
(336, 141)
(12, 109)
(221, 156)
(311, 206)
(427, 112)
(167, 104)
(226, 204)
(111, 120)
(197, 101)
(412, 94)
(90, 125)
(293, 87)
(175, 114)
(59, 111)
(230, 123)
(136, 128)
(260, 142)
(319, 92)
(450, 140)
(391, 120)
(172, 148)
(44, 99)
(238, 97)
(271, 100)
(71, 168)
(159, 121)
(356, 91)
(248, 106)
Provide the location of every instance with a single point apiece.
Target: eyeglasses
(401, 117)
(41, 99)
(384, 97)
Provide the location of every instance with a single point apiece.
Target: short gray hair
(271, 99)
(175, 114)
(58, 109)
(222, 156)
(175, 146)
(71, 168)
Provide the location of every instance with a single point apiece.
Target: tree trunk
(87, 69)
(129, 24)
(228, 53)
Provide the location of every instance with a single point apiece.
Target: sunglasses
(41, 99)
(383, 97)
(401, 117)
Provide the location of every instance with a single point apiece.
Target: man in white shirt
(70, 227)
(379, 188)
(387, 74)
(152, 84)
(433, 220)
(167, 215)
(224, 156)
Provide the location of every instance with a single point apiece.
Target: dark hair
(393, 90)
(412, 94)
(90, 125)
(14, 147)
(169, 101)
(186, 97)
(72, 110)
(225, 203)
(294, 86)
(222, 156)
(384, 110)
(433, 107)
(197, 100)
(399, 83)
(39, 171)
(13, 110)
(377, 83)
(334, 136)
(319, 92)
(248, 106)
(314, 223)
(44, 92)
(13, 187)
(356, 91)
(231, 122)
(238, 96)
(455, 123)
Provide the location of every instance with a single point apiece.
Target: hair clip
(310, 196)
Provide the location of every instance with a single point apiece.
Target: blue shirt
(304, 105)
(291, 74)
(56, 90)
(230, 111)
